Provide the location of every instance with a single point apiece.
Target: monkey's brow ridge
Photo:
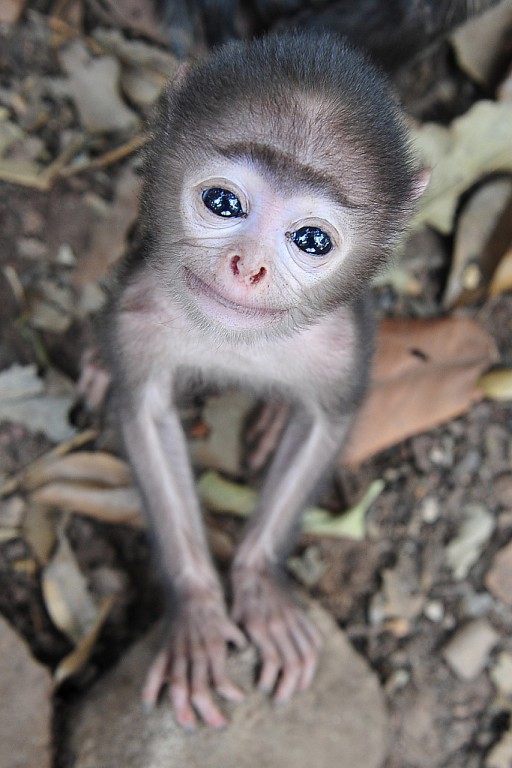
(283, 166)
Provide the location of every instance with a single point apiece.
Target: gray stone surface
(25, 705)
(341, 722)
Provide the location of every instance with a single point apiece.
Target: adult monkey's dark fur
(304, 137)
(392, 31)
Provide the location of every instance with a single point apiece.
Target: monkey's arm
(287, 641)
(195, 649)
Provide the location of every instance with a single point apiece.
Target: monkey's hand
(193, 660)
(287, 641)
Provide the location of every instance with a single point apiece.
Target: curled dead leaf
(425, 372)
(112, 505)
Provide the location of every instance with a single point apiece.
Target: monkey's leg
(287, 641)
(192, 660)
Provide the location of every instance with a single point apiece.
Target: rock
(25, 705)
(501, 673)
(501, 755)
(468, 651)
(503, 488)
(465, 549)
(499, 577)
(340, 722)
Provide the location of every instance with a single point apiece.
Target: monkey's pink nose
(249, 274)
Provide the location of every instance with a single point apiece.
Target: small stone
(434, 611)
(430, 510)
(397, 680)
(31, 248)
(501, 673)
(499, 577)
(467, 653)
(465, 549)
(503, 490)
(65, 256)
(467, 467)
(501, 755)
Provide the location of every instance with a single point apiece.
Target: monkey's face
(256, 249)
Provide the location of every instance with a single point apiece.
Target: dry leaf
(22, 401)
(425, 372)
(475, 145)
(108, 241)
(497, 385)
(78, 658)
(11, 10)
(94, 87)
(40, 531)
(481, 43)
(112, 505)
(97, 467)
(502, 279)
(484, 233)
(67, 599)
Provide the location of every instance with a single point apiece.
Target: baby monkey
(277, 181)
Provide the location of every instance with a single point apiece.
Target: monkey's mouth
(226, 311)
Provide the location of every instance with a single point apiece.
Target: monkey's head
(278, 180)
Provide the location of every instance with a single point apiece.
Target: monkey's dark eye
(222, 202)
(312, 240)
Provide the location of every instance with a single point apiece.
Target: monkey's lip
(225, 310)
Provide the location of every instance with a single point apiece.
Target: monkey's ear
(420, 182)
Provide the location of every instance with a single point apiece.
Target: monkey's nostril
(234, 265)
(258, 276)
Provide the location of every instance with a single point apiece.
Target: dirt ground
(425, 596)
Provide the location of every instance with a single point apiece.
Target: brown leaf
(97, 467)
(425, 372)
(502, 279)
(484, 234)
(109, 236)
(113, 505)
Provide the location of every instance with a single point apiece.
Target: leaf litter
(426, 372)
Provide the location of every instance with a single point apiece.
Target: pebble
(430, 510)
(434, 611)
(467, 653)
(501, 673)
(498, 579)
(503, 489)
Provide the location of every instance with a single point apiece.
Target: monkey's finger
(271, 663)
(155, 679)
(308, 653)
(291, 671)
(221, 682)
(200, 694)
(179, 692)
(310, 630)
(208, 710)
(235, 635)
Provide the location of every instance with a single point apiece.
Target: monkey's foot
(263, 437)
(193, 663)
(286, 639)
(94, 381)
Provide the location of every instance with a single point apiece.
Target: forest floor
(424, 589)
